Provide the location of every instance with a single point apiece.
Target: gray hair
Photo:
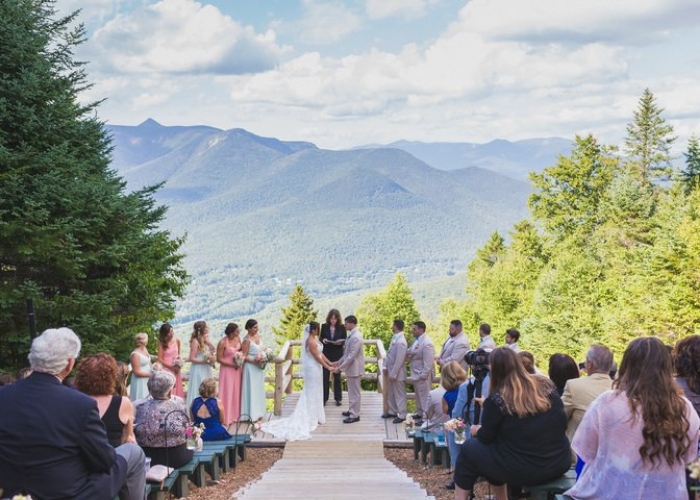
(160, 383)
(600, 357)
(52, 349)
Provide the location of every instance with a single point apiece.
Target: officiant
(333, 336)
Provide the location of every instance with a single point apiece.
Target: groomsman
(395, 370)
(353, 364)
(455, 347)
(421, 356)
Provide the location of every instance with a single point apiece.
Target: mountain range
(262, 215)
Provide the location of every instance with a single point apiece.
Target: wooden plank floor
(340, 461)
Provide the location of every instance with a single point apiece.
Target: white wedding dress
(309, 412)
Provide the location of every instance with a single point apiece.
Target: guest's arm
(222, 415)
(490, 422)
(126, 416)
(194, 349)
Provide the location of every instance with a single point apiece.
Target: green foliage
(296, 316)
(91, 256)
(377, 312)
(610, 254)
(649, 140)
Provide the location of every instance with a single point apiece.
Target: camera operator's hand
(474, 429)
(480, 400)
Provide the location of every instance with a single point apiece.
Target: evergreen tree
(690, 176)
(377, 312)
(296, 316)
(649, 140)
(90, 255)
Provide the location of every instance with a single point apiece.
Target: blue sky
(341, 74)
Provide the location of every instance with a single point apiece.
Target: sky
(347, 73)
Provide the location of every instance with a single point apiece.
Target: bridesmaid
(140, 368)
(253, 390)
(202, 359)
(169, 356)
(230, 373)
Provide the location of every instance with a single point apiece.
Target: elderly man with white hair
(52, 441)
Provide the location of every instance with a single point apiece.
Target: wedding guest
(161, 422)
(333, 336)
(686, 358)
(208, 410)
(562, 368)
(637, 438)
(52, 442)
(97, 376)
(485, 339)
(253, 400)
(169, 356)
(528, 362)
(522, 438)
(512, 339)
(202, 359)
(230, 358)
(140, 367)
(23, 373)
(6, 379)
(120, 388)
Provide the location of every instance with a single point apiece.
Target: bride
(308, 413)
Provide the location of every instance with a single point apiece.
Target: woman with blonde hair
(522, 439)
(208, 410)
(451, 377)
(637, 438)
(140, 368)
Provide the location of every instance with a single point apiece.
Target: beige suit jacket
(396, 359)
(454, 349)
(353, 360)
(578, 394)
(422, 358)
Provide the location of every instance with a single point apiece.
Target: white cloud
(378, 9)
(578, 21)
(325, 22)
(182, 36)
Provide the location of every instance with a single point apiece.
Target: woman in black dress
(522, 439)
(333, 336)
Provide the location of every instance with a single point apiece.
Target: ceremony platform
(340, 461)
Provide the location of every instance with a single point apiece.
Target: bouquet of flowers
(211, 359)
(409, 423)
(454, 425)
(238, 359)
(265, 355)
(178, 363)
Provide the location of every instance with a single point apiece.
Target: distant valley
(262, 214)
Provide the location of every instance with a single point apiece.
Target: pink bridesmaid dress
(169, 356)
(230, 386)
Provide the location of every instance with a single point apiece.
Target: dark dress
(213, 430)
(450, 398)
(333, 353)
(114, 426)
(526, 451)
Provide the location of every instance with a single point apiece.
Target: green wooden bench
(441, 451)
(551, 488)
(427, 446)
(210, 460)
(417, 436)
(158, 490)
(191, 471)
(222, 450)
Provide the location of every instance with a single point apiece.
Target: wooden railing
(285, 363)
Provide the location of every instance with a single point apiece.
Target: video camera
(478, 360)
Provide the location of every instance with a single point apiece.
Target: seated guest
(452, 376)
(522, 438)
(562, 367)
(97, 377)
(579, 393)
(208, 410)
(161, 423)
(52, 442)
(434, 415)
(120, 388)
(637, 438)
(528, 362)
(686, 358)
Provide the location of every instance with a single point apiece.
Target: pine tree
(649, 140)
(296, 316)
(90, 255)
(690, 175)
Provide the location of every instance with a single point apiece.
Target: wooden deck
(340, 461)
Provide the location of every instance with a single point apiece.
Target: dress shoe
(398, 420)
(450, 485)
(338, 403)
(346, 413)
(388, 415)
(351, 420)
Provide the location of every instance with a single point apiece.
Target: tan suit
(396, 375)
(434, 415)
(454, 349)
(353, 364)
(578, 394)
(421, 356)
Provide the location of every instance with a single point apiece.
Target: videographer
(466, 407)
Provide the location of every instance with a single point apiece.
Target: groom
(353, 364)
